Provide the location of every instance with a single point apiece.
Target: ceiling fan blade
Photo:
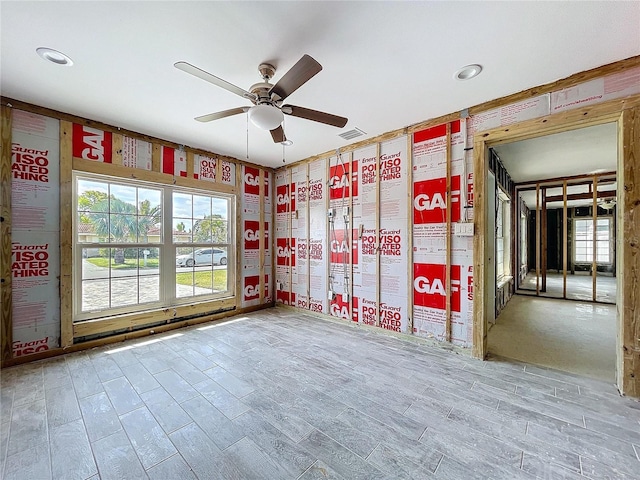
(207, 77)
(315, 115)
(278, 134)
(218, 115)
(297, 76)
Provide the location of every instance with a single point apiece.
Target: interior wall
(346, 250)
(441, 246)
(44, 150)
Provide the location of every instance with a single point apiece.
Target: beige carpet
(566, 335)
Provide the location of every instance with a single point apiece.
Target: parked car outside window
(202, 256)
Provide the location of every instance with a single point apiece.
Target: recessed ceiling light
(287, 143)
(54, 56)
(467, 72)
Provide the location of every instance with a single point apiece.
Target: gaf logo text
(285, 249)
(343, 180)
(430, 287)
(340, 251)
(252, 287)
(429, 200)
(340, 308)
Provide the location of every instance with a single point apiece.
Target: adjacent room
(319, 240)
(563, 313)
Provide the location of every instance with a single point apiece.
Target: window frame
(194, 245)
(610, 240)
(167, 247)
(503, 242)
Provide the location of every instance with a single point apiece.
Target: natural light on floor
(223, 323)
(141, 344)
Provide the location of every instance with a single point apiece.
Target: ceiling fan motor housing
(261, 91)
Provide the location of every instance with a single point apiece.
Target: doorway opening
(551, 202)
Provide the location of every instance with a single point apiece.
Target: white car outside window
(202, 256)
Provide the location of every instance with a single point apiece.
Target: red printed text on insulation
(29, 260)
(29, 164)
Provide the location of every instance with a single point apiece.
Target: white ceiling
(386, 64)
(586, 150)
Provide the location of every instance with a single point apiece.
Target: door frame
(626, 114)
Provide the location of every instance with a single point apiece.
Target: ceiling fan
(607, 203)
(268, 109)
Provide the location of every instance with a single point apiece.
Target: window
(523, 241)
(140, 246)
(503, 238)
(200, 222)
(583, 240)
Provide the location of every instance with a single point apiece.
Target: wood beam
(290, 228)
(410, 289)
(583, 196)
(66, 234)
(545, 240)
(377, 234)
(565, 234)
(572, 180)
(238, 227)
(156, 156)
(594, 265)
(117, 142)
(262, 233)
(6, 323)
(140, 319)
(100, 168)
(629, 255)
(447, 236)
(480, 273)
(350, 235)
(538, 239)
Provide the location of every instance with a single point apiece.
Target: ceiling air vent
(349, 134)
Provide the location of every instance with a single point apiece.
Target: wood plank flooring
(280, 395)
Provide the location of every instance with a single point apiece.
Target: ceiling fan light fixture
(468, 72)
(54, 56)
(607, 204)
(265, 117)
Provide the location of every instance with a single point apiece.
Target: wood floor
(279, 395)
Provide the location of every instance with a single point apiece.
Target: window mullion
(168, 271)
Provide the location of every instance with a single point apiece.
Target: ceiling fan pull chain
(283, 144)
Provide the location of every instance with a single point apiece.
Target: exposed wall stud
(66, 235)
(447, 236)
(6, 323)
